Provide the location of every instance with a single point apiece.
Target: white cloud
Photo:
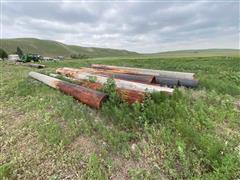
(137, 26)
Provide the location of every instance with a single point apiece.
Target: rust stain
(122, 74)
(90, 85)
(131, 96)
(118, 74)
(85, 95)
(127, 95)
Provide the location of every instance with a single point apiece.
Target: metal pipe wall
(127, 95)
(172, 82)
(85, 95)
(148, 79)
(116, 74)
(166, 74)
(119, 83)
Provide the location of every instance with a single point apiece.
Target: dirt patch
(12, 118)
(84, 145)
(237, 104)
(198, 94)
(123, 166)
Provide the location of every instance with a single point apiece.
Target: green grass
(193, 134)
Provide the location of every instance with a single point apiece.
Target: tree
(79, 56)
(19, 52)
(3, 54)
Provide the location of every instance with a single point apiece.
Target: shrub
(79, 56)
(3, 54)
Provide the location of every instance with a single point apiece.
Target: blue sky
(133, 25)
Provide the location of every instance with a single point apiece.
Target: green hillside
(54, 48)
(199, 53)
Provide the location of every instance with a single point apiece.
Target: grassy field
(193, 134)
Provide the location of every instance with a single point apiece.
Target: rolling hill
(198, 53)
(54, 48)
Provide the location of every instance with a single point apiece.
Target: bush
(3, 54)
(79, 56)
(19, 52)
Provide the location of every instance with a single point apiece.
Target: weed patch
(193, 134)
(5, 170)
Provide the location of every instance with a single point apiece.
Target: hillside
(54, 48)
(198, 53)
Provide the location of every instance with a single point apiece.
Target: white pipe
(50, 81)
(168, 74)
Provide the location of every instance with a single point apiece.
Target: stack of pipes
(128, 83)
(164, 78)
(131, 83)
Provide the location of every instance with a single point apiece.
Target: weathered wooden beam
(75, 73)
(85, 95)
(166, 74)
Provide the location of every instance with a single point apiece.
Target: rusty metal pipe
(121, 75)
(136, 78)
(85, 95)
(75, 73)
(166, 74)
(127, 95)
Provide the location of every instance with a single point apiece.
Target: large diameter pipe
(119, 83)
(172, 82)
(167, 74)
(130, 76)
(121, 75)
(136, 78)
(127, 95)
(130, 96)
(85, 95)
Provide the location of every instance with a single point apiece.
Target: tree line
(4, 54)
